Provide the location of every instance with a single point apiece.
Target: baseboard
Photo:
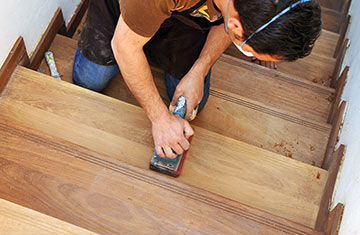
(334, 136)
(339, 91)
(17, 55)
(55, 26)
(333, 170)
(76, 18)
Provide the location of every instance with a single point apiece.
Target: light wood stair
(298, 131)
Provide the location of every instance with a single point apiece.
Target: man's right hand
(171, 134)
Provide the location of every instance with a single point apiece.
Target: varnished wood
(339, 91)
(56, 25)
(278, 185)
(339, 63)
(343, 33)
(335, 217)
(77, 18)
(333, 139)
(105, 195)
(17, 55)
(15, 219)
(324, 211)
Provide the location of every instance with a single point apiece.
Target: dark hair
(291, 37)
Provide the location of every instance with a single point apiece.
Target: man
(185, 38)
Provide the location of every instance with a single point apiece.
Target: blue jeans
(97, 77)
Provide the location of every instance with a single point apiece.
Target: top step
(215, 163)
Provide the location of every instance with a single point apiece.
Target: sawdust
(318, 175)
(285, 148)
(312, 148)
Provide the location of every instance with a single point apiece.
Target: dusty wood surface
(333, 172)
(104, 195)
(15, 219)
(282, 133)
(331, 19)
(278, 185)
(17, 54)
(56, 24)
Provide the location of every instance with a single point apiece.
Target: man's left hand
(192, 88)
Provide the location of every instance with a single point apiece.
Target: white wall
(348, 191)
(28, 18)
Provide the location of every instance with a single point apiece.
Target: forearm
(216, 43)
(136, 72)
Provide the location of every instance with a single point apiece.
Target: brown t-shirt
(144, 17)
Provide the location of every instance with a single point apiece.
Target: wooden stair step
(15, 219)
(215, 163)
(272, 88)
(303, 146)
(104, 195)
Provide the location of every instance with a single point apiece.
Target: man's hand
(171, 135)
(192, 88)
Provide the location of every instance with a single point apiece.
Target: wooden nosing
(324, 209)
(76, 18)
(56, 25)
(339, 91)
(333, 136)
(209, 199)
(17, 55)
(343, 33)
(335, 218)
(339, 62)
(269, 111)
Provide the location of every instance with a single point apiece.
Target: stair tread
(263, 130)
(15, 219)
(267, 181)
(104, 195)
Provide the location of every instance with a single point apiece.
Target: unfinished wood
(278, 185)
(334, 135)
(77, 18)
(15, 219)
(343, 34)
(331, 19)
(315, 67)
(17, 55)
(339, 91)
(105, 195)
(335, 217)
(56, 25)
(339, 63)
(271, 88)
(332, 4)
(333, 172)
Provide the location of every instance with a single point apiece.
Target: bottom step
(104, 195)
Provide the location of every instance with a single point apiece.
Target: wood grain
(278, 185)
(17, 55)
(331, 19)
(343, 34)
(317, 67)
(333, 172)
(339, 92)
(15, 219)
(334, 135)
(104, 195)
(273, 92)
(56, 25)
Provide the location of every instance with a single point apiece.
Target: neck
(221, 4)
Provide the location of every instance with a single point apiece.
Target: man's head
(290, 37)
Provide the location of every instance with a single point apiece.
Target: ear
(235, 25)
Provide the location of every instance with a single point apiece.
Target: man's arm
(168, 130)
(192, 85)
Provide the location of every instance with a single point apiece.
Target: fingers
(175, 97)
(188, 131)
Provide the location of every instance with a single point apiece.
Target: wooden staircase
(256, 163)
